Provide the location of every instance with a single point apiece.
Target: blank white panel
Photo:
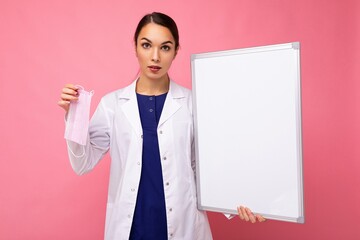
(248, 131)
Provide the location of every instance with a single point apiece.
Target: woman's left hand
(247, 215)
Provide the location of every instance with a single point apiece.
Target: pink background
(45, 44)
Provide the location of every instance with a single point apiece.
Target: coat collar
(131, 109)
(129, 92)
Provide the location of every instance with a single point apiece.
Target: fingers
(251, 215)
(260, 218)
(69, 93)
(240, 211)
(243, 214)
(247, 215)
(72, 86)
(64, 104)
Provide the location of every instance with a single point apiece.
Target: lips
(154, 68)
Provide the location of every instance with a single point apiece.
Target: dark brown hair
(161, 19)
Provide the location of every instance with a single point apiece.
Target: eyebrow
(170, 42)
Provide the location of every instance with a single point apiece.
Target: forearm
(84, 158)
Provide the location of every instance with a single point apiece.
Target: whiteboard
(247, 114)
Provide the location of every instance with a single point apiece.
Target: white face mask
(77, 123)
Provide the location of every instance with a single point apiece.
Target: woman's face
(155, 51)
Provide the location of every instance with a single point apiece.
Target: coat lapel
(130, 108)
(171, 105)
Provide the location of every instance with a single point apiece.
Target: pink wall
(45, 44)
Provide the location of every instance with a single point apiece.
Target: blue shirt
(149, 220)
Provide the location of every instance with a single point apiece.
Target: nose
(155, 56)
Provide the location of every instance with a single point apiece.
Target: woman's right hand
(69, 93)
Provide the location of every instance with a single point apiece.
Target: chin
(155, 77)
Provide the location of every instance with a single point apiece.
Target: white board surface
(247, 111)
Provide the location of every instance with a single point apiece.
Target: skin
(155, 47)
(69, 93)
(246, 215)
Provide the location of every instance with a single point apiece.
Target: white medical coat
(116, 126)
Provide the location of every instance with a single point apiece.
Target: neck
(152, 86)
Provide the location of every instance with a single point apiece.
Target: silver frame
(293, 45)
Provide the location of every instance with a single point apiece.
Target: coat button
(170, 209)
(151, 110)
(164, 158)
(133, 189)
(167, 183)
(161, 132)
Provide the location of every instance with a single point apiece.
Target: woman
(148, 128)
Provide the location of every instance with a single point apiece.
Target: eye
(166, 48)
(146, 45)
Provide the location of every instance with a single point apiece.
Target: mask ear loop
(78, 156)
(83, 89)
(80, 87)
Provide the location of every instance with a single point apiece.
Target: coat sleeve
(85, 158)
(193, 153)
